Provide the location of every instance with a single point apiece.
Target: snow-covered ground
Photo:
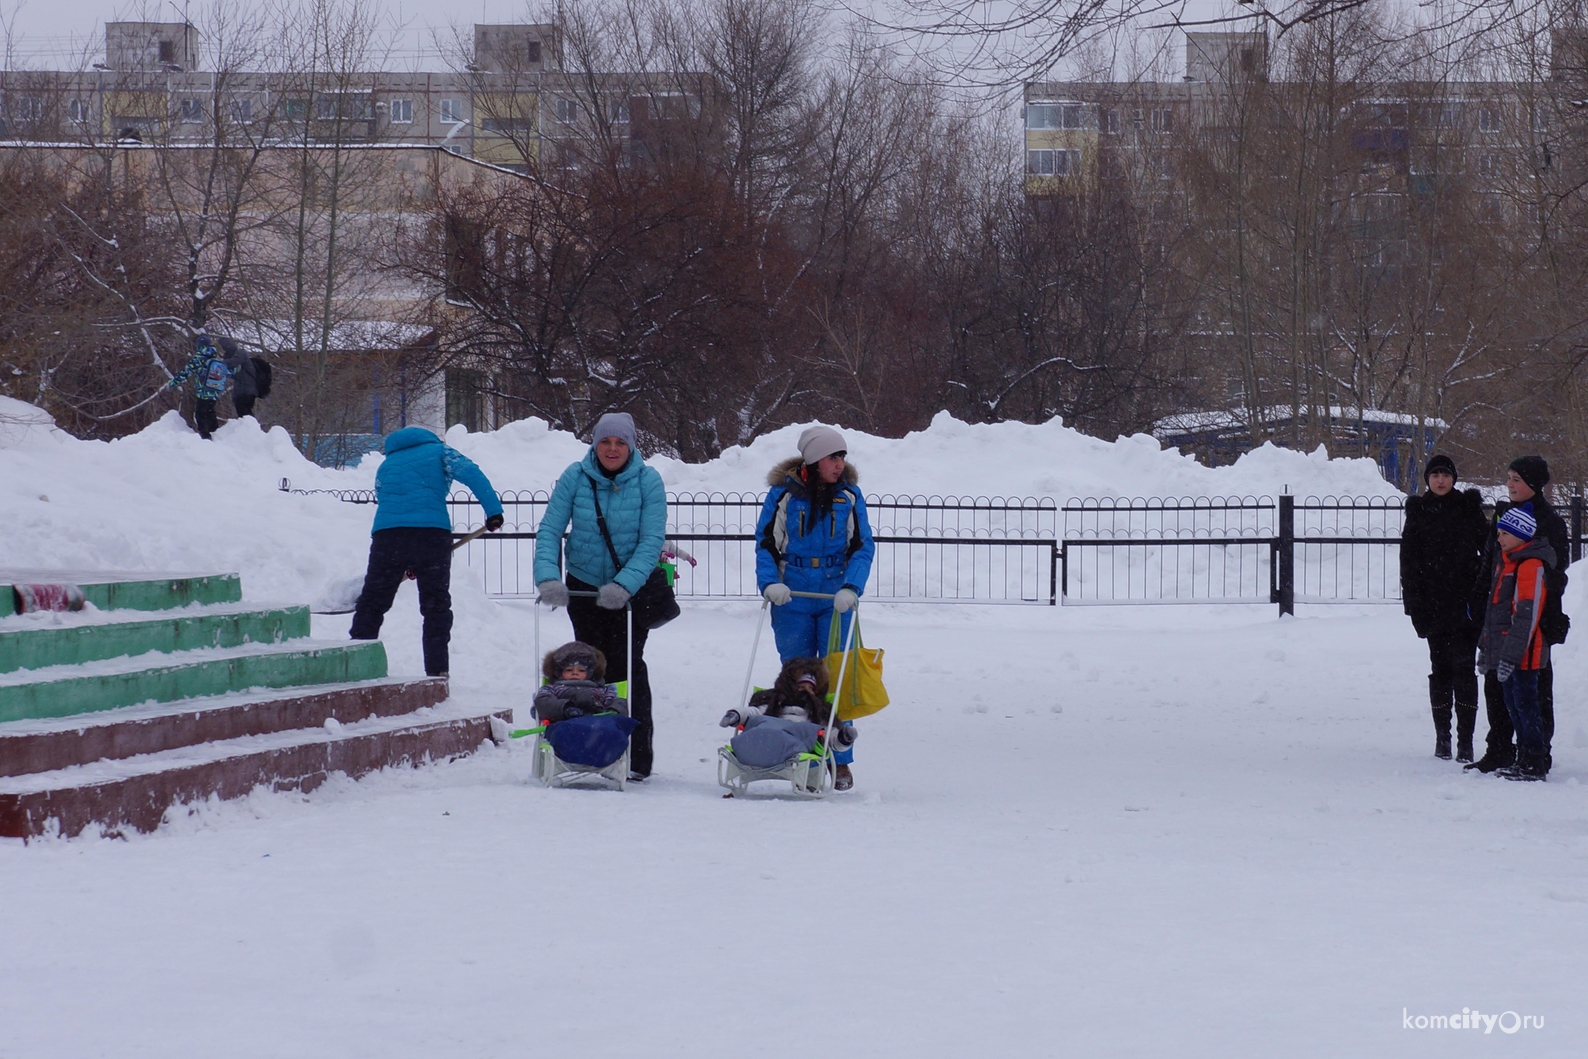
(1153, 831)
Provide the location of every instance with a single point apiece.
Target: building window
(1163, 120)
(465, 399)
(532, 51)
(1110, 120)
(452, 112)
(78, 110)
(402, 111)
(620, 112)
(1489, 119)
(242, 111)
(192, 110)
(296, 109)
(1540, 120)
(168, 51)
(1059, 116)
(1057, 163)
(29, 108)
(567, 111)
(1489, 165)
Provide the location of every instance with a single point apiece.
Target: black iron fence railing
(1251, 549)
(930, 549)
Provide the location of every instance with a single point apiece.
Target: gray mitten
(553, 593)
(1504, 671)
(847, 735)
(729, 720)
(612, 596)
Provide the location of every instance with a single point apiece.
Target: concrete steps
(58, 743)
(60, 691)
(129, 591)
(136, 793)
(112, 717)
(92, 637)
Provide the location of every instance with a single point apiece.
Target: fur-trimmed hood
(559, 658)
(786, 692)
(788, 470)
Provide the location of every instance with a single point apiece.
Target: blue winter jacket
(810, 554)
(197, 366)
(634, 502)
(413, 481)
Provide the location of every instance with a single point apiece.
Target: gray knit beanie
(819, 441)
(618, 425)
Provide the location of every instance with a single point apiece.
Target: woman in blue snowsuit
(813, 536)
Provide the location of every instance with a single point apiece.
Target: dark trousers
(1501, 730)
(1521, 703)
(392, 553)
(606, 630)
(204, 420)
(1453, 679)
(244, 403)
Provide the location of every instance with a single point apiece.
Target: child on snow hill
(210, 373)
(1513, 648)
(575, 684)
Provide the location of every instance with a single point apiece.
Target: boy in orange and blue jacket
(1512, 647)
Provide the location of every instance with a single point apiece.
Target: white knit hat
(819, 441)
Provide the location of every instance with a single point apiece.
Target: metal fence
(943, 549)
(1252, 549)
(930, 549)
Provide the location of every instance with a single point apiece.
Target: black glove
(494, 523)
(847, 735)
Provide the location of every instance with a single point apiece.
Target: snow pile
(163, 499)
(951, 458)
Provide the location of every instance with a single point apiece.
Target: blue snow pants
(802, 633)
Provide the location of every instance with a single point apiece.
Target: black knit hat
(1533, 470)
(1440, 463)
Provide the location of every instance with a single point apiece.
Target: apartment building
(512, 105)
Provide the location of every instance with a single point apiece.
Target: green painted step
(127, 682)
(75, 644)
(132, 591)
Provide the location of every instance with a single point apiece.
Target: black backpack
(261, 375)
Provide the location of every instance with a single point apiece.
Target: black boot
(1441, 729)
(1466, 723)
(1495, 757)
(1528, 768)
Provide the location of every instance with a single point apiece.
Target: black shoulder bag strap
(606, 535)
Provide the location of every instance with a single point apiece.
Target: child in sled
(785, 720)
(575, 675)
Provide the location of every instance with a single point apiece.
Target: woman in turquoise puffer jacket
(633, 502)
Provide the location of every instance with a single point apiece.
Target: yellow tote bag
(862, 692)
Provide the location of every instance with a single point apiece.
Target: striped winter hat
(1519, 522)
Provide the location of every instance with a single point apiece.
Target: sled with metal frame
(811, 774)
(552, 770)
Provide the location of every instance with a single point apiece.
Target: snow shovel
(342, 596)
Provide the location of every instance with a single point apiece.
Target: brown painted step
(136, 794)
(45, 745)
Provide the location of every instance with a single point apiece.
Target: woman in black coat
(1441, 552)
